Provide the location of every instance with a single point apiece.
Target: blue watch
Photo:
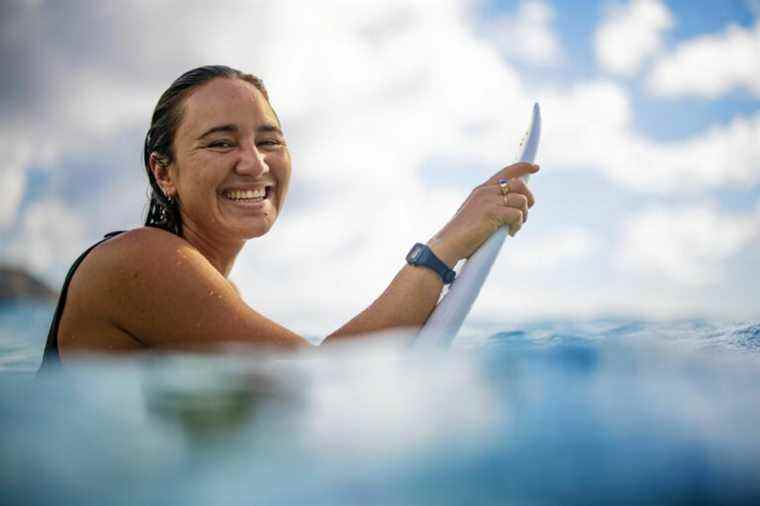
(422, 256)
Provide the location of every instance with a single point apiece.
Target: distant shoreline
(18, 284)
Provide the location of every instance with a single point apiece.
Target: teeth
(258, 193)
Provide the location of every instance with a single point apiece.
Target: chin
(251, 232)
(253, 235)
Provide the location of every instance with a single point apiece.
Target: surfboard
(449, 314)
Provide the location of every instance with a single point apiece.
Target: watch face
(415, 254)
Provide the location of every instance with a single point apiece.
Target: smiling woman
(219, 168)
(167, 116)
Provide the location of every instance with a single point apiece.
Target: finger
(513, 231)
(515, 186)
(510, 217)
(518, 201)
(514, 228)
(519, 186)
(513, 171)
(516, 225)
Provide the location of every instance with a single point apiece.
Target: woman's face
(232, 166)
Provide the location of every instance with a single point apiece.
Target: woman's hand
(484, 211)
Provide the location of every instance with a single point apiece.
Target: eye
(270, 142)
(222, 144)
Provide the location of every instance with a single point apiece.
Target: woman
(219, 168)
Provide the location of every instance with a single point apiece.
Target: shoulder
(145, 249)
(158, 287)
(150, 283)
(153, 260)
(146, 262)
(141, 242)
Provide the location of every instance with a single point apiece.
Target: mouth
(248, 195)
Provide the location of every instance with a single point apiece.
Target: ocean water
(558, 412)
(23, 331)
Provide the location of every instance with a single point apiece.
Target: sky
(647, 202)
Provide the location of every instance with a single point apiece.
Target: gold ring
(504, 187)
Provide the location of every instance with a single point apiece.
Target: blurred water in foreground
(599, 412)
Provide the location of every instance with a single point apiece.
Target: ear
(161, 172)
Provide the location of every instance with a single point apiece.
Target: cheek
(282, 192)
(282, 173)
(196, 186)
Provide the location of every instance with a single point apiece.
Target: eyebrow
(231, 128)
(269, 127)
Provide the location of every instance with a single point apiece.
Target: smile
(255, 195)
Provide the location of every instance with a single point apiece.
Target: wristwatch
(422, 256)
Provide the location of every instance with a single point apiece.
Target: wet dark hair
(163, 212)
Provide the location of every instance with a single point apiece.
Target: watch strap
(422, 256)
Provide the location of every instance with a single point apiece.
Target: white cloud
(723, 155)
(50, 234)
(527, 36)
(590, 126)
(686, 245)
(584, 125)
(552, 250)
(669, 262)
(534, 276)
(630, 34)
(17, 156)
(12, 183)
(710, 65)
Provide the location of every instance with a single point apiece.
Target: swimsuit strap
(51, 355)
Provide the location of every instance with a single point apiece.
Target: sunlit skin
(150, 289)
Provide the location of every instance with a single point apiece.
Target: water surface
(561, 412)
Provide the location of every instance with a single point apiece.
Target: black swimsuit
(52, 356)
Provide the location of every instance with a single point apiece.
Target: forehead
(225, 101)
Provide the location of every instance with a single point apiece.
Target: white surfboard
(447, 318)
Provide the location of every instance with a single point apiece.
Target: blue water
(23, 331)
(562, 412)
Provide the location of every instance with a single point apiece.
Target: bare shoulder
(148, 254)
(111, 269)
(100, 294)
(160, 289)
(150, 268)
(140, 245)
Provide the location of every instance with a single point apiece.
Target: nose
(251, 162)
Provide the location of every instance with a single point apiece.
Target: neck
(220, 253)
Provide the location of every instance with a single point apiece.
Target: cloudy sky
(648, 202)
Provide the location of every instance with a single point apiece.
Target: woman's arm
(406, 302)
(413, 293)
